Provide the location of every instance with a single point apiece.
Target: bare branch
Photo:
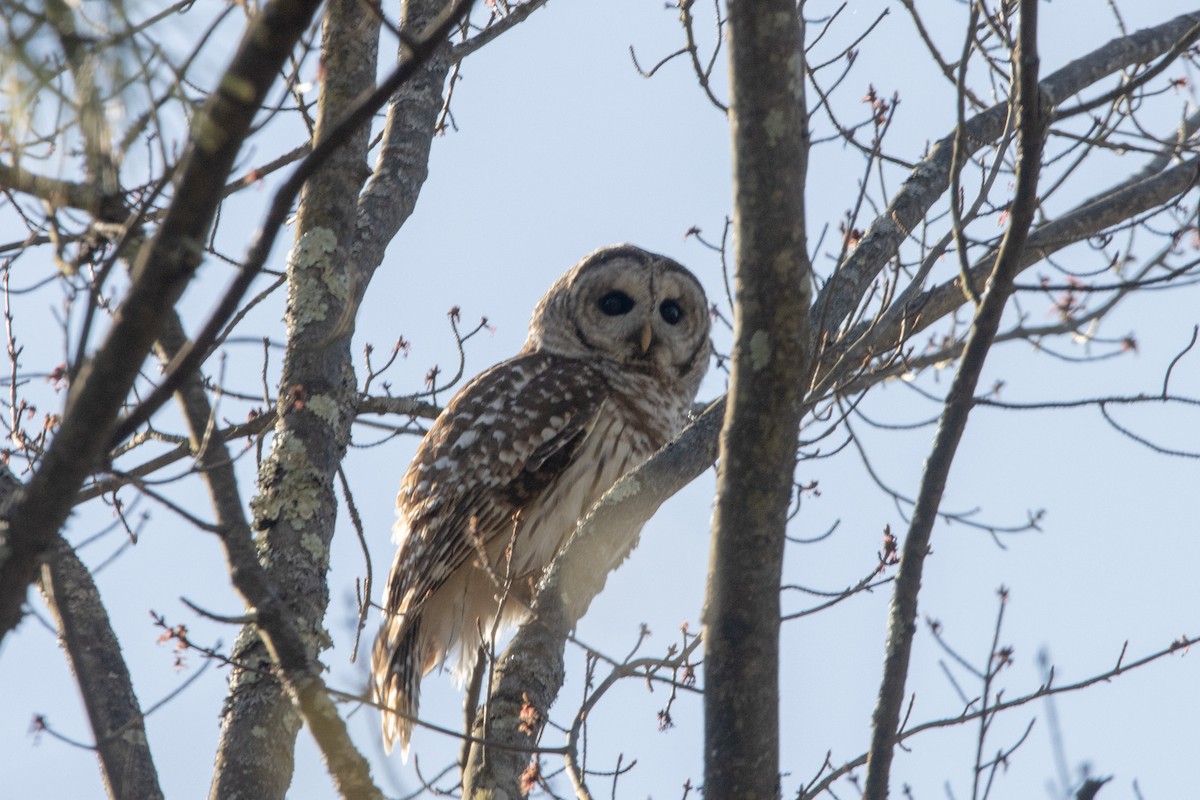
(1031, 125)
(510, 20)
(824, 780)
(930, 179)
(419, 51)
(164, 268)
(98, 664)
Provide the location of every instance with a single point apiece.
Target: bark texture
(341, 238)
(95, 657)
(295, 508)
(767, 382)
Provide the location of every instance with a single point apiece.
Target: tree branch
(400, 171)
(930, 179)
(163, 269)
(823, 781)
(527, 677)
(99, 667)
(59, 193)
(514, 17)
(1031, 126)
(418, 50)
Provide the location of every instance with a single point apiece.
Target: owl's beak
(647, 337)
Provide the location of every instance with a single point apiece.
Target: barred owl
(614, 357)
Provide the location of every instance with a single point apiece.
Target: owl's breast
(652, 402)
(616, 444)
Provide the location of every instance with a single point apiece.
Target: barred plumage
(615, 354)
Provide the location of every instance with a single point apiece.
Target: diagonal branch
(418, 50)
(528, 676)
(513, 18)
(103, 677)
(164, 267)
(1031, 117)
(96, 660)
(930, 179)
(910, 315)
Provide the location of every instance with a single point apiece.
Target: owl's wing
(499, 443)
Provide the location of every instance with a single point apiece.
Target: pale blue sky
(562, 148)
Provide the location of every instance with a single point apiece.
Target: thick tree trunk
(341, 239)
(295, 508)
(770, 362)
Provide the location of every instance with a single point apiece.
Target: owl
(615, 354)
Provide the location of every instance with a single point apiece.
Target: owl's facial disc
(660, 321)
(635, 309)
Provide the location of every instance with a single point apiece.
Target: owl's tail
(396, 679)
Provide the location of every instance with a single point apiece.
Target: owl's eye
(671, 311)
(614, 304)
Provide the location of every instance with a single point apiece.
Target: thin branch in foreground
(1031, 122)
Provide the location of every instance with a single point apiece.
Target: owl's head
(622, 304)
